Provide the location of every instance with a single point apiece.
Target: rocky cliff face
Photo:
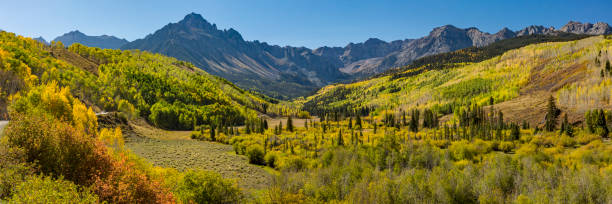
(287, 72)
(274, 70)
(586, 28)
(103, 41)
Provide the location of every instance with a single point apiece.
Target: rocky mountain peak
(196, 21)
(586, 28)
(444, 30)
(103, 41)
(535, 30)
(505, 33)
(374, 41)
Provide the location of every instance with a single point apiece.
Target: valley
(175, 149)
(196, 114)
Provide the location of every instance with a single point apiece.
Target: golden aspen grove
(510, 117)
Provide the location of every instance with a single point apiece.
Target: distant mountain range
(287, 72)
(103, 41)
(42, 40)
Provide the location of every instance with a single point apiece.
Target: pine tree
(500, 120)
(358, 122)
(350, 123)
(589, 121)
(602, 127)
(265, 124)
(265, 145)
(289, 124)
(375, 125)
(280, 127)
(552, 114)
(340, 139)
(515, 132)
(414, 121)
(212, 133)
(567, 127)
(306, 124)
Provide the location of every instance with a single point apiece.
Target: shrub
(462, 150)
(294, 164)
(57, 148)
(271, 158)
(566, 141)
(39, 189)
(255, 154)
(206, 187)
(13, 170)
(506, 146)
(124, 183)
(587, 138)
(126, 109)
(303, 115)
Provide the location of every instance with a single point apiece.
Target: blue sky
(311, 23)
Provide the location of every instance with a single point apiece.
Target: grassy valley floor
(175, 149)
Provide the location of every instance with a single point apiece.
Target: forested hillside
(528, 126)
(524, 121)
(529, 73)
(169, 93)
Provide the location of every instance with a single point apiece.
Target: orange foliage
(126, 184)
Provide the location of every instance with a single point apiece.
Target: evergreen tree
(340, 139)
(265, 145)
(358, 122)
(280, 127)
(212, 133)
(414, 121)
(289, 124)
(589, 121)
(375, 126)
(515, 132)
(552, 114)
(350, 123)
(500, 120)
(602, 127)
(265, 124)
(608, 66)
(306, 124)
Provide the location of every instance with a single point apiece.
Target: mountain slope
(574, 72)
(171, 94)
(287, 72)
(103, 41)
(252, 65)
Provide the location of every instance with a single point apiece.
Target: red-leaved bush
(58, 149)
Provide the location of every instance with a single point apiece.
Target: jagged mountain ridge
(251, 64)
(286, 72)
(103, 41)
